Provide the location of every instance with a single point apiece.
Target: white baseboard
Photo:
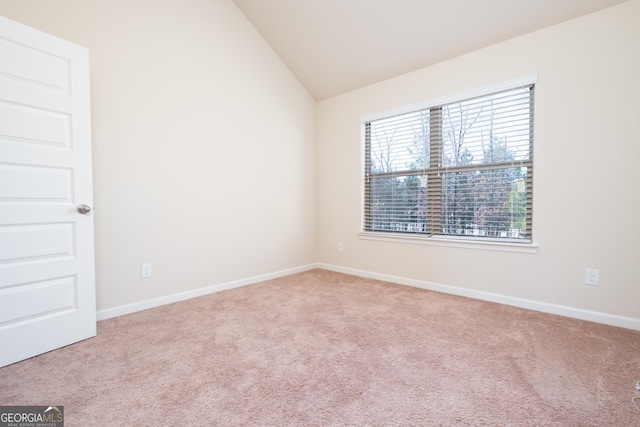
(182, 296)
(576, 313)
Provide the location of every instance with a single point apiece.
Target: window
(460, 168)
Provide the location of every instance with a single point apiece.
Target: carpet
(321, 348)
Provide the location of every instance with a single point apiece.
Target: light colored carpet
(326, 349)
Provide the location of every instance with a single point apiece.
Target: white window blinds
(461, 168)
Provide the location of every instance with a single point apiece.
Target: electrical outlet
(340, 247)
(591, 277)
(145, 270)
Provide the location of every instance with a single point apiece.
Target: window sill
(453, 242)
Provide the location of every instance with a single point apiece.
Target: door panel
(33, 125)
(47, 284)
(19, 182)
(47, 296)
(32, 64)
(22, 242)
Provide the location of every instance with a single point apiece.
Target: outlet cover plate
(145, 270)
(591, 277)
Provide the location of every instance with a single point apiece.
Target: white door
(47, 280)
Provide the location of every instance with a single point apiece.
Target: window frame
(498, 244)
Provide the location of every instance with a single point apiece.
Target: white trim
(453, 242)
(182, 296)
(561, 310)
(464, 242)
(486, 90)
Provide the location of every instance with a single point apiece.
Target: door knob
(84, 209)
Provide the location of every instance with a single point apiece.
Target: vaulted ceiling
(335, 46)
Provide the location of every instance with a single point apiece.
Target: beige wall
(586, 201)
(203, 144)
